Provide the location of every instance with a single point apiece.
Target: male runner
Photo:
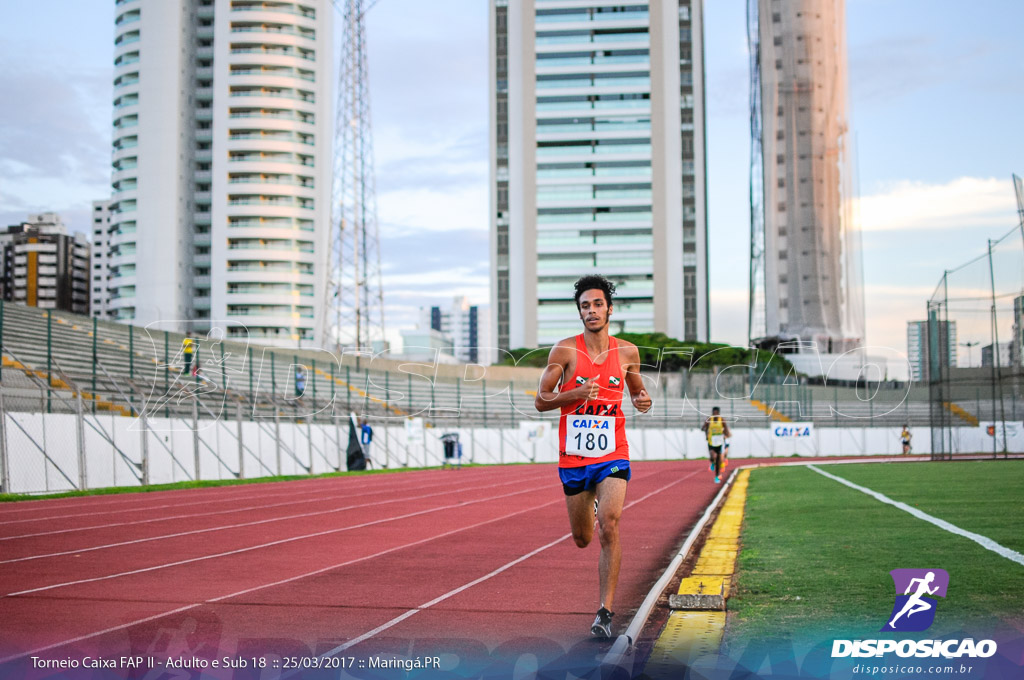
(584, 378)
(905, 439)
(717, 431)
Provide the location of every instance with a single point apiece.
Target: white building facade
(917, 347)
(99, 267)
(468, 327)
(223, 132)
(597, 165)
(43, 266)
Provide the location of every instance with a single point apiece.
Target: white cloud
(436, 210)
(964, 203)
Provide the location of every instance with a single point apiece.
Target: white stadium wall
(113, 447)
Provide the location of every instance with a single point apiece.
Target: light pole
(970, 354)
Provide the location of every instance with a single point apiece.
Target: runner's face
(593, 310)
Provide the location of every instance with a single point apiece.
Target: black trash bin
(451, 449)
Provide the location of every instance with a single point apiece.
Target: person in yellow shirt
(905, 439)
(187, 350)
(717, 431)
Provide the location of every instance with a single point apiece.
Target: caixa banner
(792, 439)
(792, 430)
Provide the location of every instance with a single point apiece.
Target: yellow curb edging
(691, 634)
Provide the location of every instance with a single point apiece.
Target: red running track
(461, 563)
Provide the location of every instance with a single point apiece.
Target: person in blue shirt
(365, 438)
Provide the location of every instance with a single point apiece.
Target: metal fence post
(223, 369)
(195, 434)
(337, 435)
(94, 361)
(167, 371)
(131, 352)
(241, 446)
(49, 359)
(5, 466)
(387, 444)
(83, 475)
(273, 377)
(144, 427)
(309, 440)
(277, 436)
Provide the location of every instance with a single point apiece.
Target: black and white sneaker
(602, 627)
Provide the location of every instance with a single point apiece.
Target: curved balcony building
(221, 161)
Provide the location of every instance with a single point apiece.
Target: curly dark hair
(592, 281)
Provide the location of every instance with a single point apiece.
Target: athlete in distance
(584, 378)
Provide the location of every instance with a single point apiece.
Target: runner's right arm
(558, 365)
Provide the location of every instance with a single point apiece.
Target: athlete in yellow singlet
(717, 431)
(905, 439)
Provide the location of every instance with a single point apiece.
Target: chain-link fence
(971, 351)
(88, 403)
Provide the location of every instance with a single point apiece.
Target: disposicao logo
(914, 611)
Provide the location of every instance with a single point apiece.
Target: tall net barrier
(973, 353)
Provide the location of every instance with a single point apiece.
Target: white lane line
(290, 539)
(207, 514)
(222, 498)
(983, 541)
(225, 527)
(451, 593)
(146, 508)
(291, 579)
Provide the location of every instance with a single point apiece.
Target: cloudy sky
(936, 91)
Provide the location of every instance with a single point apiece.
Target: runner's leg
(581, 517)
(611, 496)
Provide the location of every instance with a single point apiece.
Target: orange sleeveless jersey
(608, 405)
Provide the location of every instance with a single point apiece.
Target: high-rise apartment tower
(597, 165)
(41, 265)
(99, 270)
(220, 211)
(917, 347)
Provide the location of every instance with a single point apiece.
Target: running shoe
(711, 467)
(717, 480)
(602, 627)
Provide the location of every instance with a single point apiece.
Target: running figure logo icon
(914, 610)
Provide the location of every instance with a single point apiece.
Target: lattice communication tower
(354, 294)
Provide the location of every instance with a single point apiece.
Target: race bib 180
(591, 436)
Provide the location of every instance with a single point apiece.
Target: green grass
(816, 554)
(114, 490)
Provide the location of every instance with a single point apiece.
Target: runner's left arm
(631, 364)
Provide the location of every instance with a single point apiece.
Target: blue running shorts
(579, 479)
